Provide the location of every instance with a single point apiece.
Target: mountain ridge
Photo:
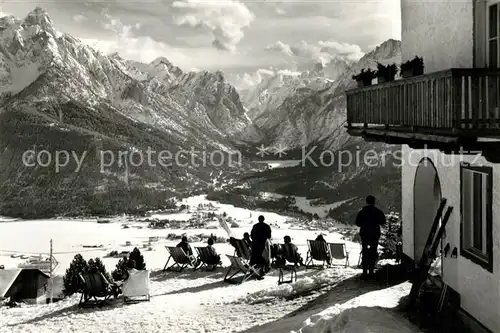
(60, 95)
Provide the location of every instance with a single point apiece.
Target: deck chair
(239, 267)
(137, 286)
(319, 251)
(339, 251)
(206, 259)
(242, 249)
(290, 264)
(96, 291)
(181, 259)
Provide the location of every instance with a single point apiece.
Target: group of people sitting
(262, 252)
(369, 219)
(186, 247)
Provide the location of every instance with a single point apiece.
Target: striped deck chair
(319, 251)
(339, 251)
(242, 250)
(238, 266)
(290, 264)
(181, 259)
(96, 291)
(207, 259)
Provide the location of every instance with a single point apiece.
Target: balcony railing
(455, 102)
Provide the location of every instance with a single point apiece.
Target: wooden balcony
(453, 110)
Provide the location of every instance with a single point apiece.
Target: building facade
(447, 121)
(456, 34)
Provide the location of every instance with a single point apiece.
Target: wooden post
(50, 274)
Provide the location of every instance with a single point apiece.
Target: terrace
(453, 110)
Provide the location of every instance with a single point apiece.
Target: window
(492, 33)
(476, 211)
(493, 54)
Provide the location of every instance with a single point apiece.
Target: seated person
(247, 240)
(233, 242)
(184, 245)
(213, 252)
(327, 250)
(291, 252)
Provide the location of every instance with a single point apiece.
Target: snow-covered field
(191, 301)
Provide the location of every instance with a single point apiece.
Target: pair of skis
(429, 253)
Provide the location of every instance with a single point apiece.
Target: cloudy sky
(237, 37)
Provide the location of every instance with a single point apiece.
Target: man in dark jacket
(369, 220)
(261, 232)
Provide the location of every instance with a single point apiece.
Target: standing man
(260, 234)
(369, 220)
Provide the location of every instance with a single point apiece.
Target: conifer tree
(72, 283)
(96, 265)
(137, 259)
(120, 273)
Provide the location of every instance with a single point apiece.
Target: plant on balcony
(364, 78)
(412, 67)
(386, 73)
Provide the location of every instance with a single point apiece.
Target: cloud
(3, 13)
(350, 51)
(80, 18)
(322, 51)
(225, 19)
(248, 80)
(281, 47)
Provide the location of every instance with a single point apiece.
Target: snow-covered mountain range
(41, 62)
(277, 85)
(294, 111)
(314, 118)
(59, 94)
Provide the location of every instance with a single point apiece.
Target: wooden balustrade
(453, 102)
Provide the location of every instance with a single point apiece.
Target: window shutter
(480, 37)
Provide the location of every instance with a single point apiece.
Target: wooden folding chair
(291, 257)
(239, 267)
(339, 251)
(181, 259)
(207, 259)
(242, 250)
(96, 291)
(319, 251)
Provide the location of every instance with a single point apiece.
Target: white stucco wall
(479, 289)
(439, 31)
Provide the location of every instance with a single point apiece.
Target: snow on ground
(350, 306)
(367, 313)
(278, 164)
(181, 302)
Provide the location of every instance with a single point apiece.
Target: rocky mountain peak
(38, 17)
(387, 50)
